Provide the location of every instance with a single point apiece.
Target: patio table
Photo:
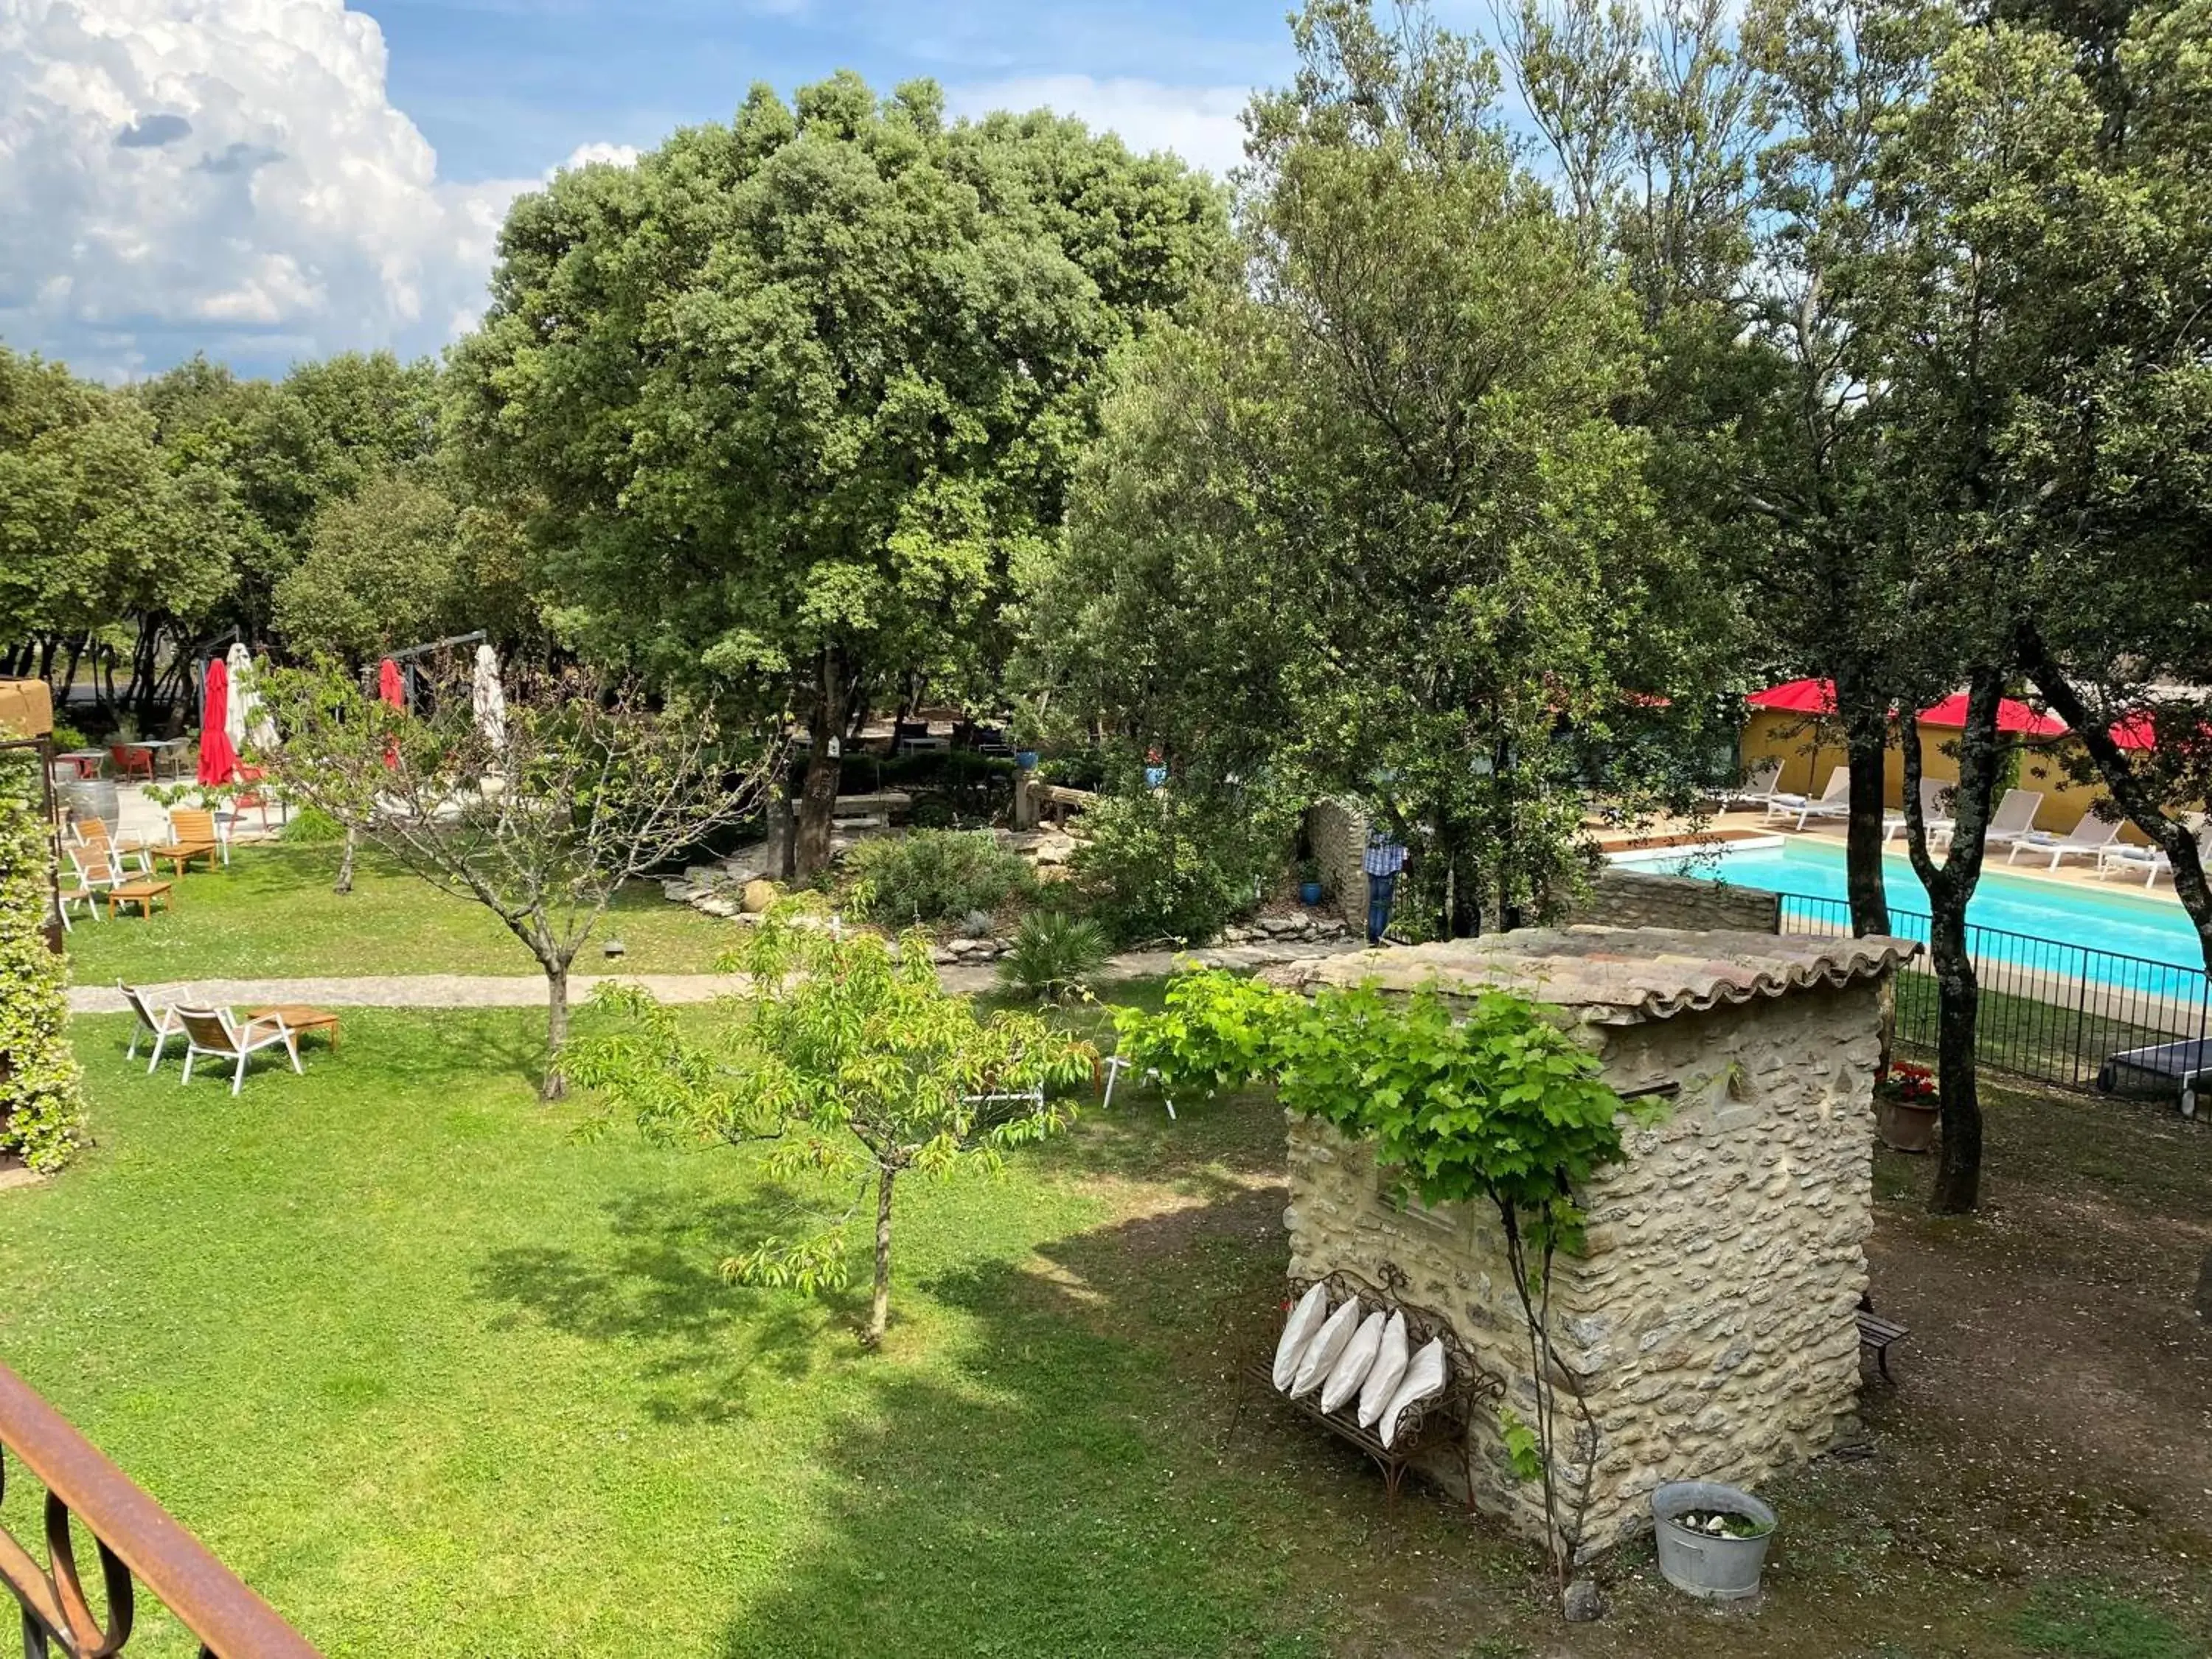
(172, 751)
(88, 762)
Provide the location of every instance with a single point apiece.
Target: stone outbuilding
(1711, 1321)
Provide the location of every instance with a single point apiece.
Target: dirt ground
(2037, 1481)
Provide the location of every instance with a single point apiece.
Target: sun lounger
(2014, 818)
(2085, 839)
(1759, 786)
(1934, 813)
(1833, 802)
(191, 836)
(161, 1023)
(213, 1032)
(2151, 861)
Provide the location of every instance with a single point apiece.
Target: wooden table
(142, 894)
(302, 1019)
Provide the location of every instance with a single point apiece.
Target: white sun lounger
(2085, 839)
(2014, 817)
(1833, 802)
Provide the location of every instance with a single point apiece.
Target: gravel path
(528, 991)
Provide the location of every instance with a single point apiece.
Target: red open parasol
(1797, 697)
(2014, 718)
(2136, 731)
(218, 759)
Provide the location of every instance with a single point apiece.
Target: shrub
(67, 736)
(1053, 956)
(311, 826)
(1157, 866)
(41, 1104)
(934, 875)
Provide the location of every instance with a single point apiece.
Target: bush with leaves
(1155, 865)
(1053, 956)
(849, 1061)
(1486, 1100)
(934, 875)
(41, 1105)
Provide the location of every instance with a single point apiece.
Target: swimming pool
(2097, 919)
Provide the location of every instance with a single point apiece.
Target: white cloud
(1199, 124)
(178, 173)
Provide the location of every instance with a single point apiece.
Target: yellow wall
(1810, 749)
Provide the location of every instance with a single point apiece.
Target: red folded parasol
(389, 686)
(218, 759)
(1797, 697)
(2014, 718)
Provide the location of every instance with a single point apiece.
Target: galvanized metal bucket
(1712, 1565)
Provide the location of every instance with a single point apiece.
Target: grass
(271, 914)
(438, 1378)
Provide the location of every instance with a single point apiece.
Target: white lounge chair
(2086, 839)
(1934, 813)
(2014, 817)
(1759, 786)
(212, 1031)
(2151, 861)
(1833, 802)
(161, 1023)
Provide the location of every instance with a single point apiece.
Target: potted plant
(1905, 1104)
(1712, 1538)
(1309, 889)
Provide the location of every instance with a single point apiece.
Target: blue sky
(503, 87)
(268, 180)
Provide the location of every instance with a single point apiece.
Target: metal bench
(1442, 1421)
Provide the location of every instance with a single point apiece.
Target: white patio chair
(98, 867)
(160, 1023)
(2015, 818)
(1934, 813)
(1834, 801)
(2085, 839)
(212, 1031)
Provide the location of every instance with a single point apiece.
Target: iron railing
(2051, 1010)
(137, 1543)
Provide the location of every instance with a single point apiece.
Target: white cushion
(1386, 1373)
(1425, 1376)
(1305, 1319)
(1351, 1368)
(1327, 1348)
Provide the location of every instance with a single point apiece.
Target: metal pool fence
(2051, 1010)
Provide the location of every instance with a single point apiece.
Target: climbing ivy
(41, 1108)
(1484, 1099)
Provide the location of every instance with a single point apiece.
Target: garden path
(528, 991)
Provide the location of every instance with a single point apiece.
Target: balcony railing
(138, 1545)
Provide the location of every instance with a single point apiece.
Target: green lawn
(440, 1379)
(271, 914)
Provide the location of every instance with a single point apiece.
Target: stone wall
(1713, 1319)
(1622, 897)
(1337, 833)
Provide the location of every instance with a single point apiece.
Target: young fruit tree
(539, 814)
(846, 1059)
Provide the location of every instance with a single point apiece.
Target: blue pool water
(2130, 924)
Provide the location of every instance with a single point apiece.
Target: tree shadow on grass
(705, 1345)
(1057, 1482)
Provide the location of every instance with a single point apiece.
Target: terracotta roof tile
(1618, 976)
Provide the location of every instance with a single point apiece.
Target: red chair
(134, 760)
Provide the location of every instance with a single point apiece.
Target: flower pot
(1716, 1566)
(1905, 1126)
(1309, 892)
(1026, 759)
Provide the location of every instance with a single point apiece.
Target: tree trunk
(555, 1086)
(818, 802)
(1863, 834)
(879, 1310)
(1958, 1154)
(344, 884)
(1950, 887)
